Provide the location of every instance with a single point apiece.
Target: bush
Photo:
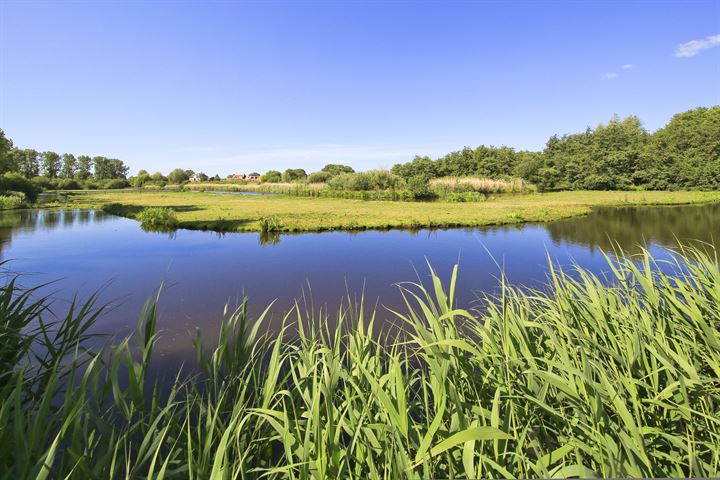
(270, 224)
(116, 183)
(91, 186)
(157, 218)
(45, 183)
(14, 182)
(271, 176)
(419, 188)
(293, 175)
(10, 202)
(69, 184)
(319, 177)
(370, 180)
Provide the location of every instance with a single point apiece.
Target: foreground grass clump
(270, 224)
(157, 217)
(578, 380)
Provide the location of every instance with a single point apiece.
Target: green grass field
(211, 211)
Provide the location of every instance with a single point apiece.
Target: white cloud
(627, 66)
(610, 76)
(693, 47)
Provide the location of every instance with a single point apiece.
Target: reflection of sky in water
(204, 270)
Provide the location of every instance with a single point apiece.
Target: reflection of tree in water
(8, 222)
(13, 221)
(631, 227)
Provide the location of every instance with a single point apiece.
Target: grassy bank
(204, 210)
(578, 380)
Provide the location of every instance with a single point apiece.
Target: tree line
(30, 163)
(619, 155)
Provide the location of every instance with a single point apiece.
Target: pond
(85, 251)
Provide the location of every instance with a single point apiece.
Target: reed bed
(611, 377)
(482, 185)
(299, 189)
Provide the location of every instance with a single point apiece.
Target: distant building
(195, 178)
(252, 177)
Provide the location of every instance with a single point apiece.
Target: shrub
(419, 188)
(271, 176)
(115, 183)
(45, 183)
(14, 182)
(10, 202)
(270, 224)
(319, 177)
(69, 184)
(157, 218)
(370, 180)
(293, 175)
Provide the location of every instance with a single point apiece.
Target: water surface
(88, 251)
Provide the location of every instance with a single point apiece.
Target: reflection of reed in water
(269, 238)
(631, 227)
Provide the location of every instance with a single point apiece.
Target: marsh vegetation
(614, 377)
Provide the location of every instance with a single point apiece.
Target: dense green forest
(621, 155)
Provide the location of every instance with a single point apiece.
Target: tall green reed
(590, 376)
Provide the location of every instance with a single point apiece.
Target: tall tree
(70, 165)
(29, 163)
(336, 169)
(685, 153)
(178, 176)
(84, 167)
(7, 157)
(51, 164)
(107, 168)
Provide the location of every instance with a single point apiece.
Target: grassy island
(213, 211)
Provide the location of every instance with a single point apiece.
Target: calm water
(87, 250)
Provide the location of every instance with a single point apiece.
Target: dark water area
(86, 251)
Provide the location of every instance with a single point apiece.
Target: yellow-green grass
(210, 211)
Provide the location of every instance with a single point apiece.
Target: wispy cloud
(627, 66)
(610, 76)
(693, 47)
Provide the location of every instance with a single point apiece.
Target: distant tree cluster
(619, 155)
(685, 154)
(51, 165)
(298, 174)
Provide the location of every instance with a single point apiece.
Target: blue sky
(238, 86)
